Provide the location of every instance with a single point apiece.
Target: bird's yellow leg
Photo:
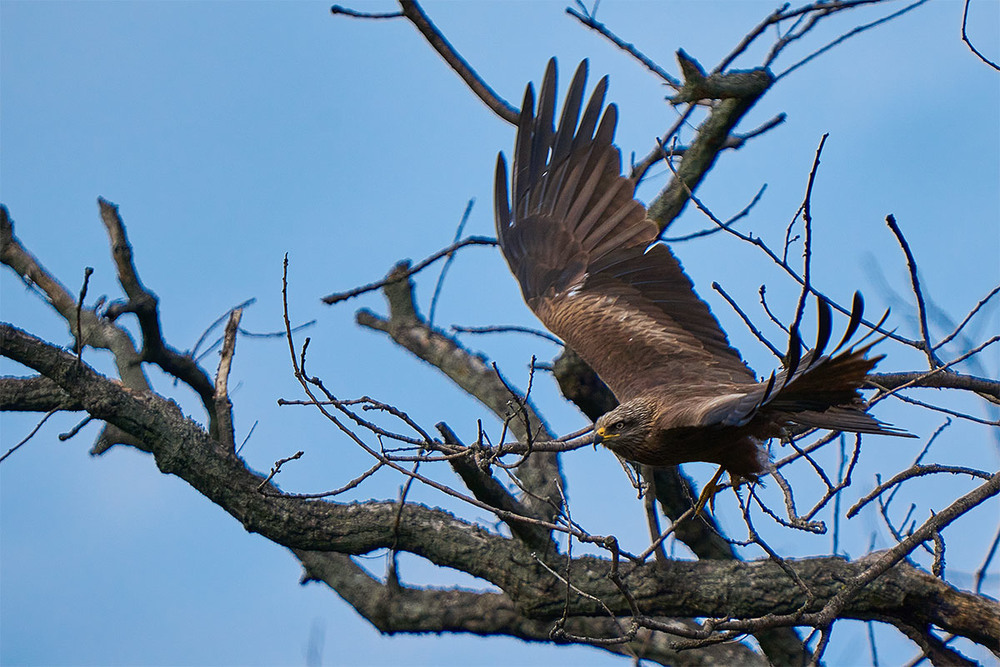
(708, 492)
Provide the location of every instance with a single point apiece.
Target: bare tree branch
(397, 276)
(622, 600)
(97, 332)
(145, 305)
(591, 22)
(703, 151)
(911, 264)
(937, 381)
(415, 610)
(703, 588)
(34, 394)
(223, 405)
(968, 42)
(501, 107)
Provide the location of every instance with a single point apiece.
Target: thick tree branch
(487, 488)
(703, 151)
(942, 380)
(97, 332)
(84, 323)
(394, 609)
(182, 448)
(935, 650)
(145, 305)
(685, 589)
(34, 394)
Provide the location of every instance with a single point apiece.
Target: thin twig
(638, 171)
(835, 537)
(981, 572)
(749, 38)
(915, 471)
(507, 329)
(911, 264)
(87, 272)
(276, 468)
(807, 243)
(846, 36)
(843, 475)
(219, 320)
(396, 277)
(354, 13)
(251, 334)
(327, 494)
(811, 447)
(947, 411)
(30, 435)
(871, 643)
(982, 302)
(501, 107)
(63, 437)
(247, 438)
(448, 262)
(771, 553)
(630, 49)
(665, 534)
(746, 320)
(965, 38)
(762, 293)
(715, 228)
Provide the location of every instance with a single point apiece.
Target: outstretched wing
(588, 263)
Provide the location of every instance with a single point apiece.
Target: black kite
(590, 267)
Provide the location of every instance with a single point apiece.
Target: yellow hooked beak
(599, 435)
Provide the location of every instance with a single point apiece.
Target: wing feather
(592, 114)
(568, 192)
(570, 114)
(585, 255)
(582, 198)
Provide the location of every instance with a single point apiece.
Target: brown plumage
(589, 266)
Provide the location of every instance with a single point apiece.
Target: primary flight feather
(589, 266)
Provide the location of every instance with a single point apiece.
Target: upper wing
(580, 246)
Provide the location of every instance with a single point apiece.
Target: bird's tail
(822, 391)
(826, 395)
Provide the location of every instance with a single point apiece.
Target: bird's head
(627, 427)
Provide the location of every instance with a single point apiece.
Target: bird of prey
(590, 267)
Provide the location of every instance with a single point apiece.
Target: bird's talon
(707, 495)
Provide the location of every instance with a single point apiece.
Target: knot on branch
(744, 84)
(399, 293)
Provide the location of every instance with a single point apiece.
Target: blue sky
(232, 133)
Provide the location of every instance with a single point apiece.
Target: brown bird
(590, 267)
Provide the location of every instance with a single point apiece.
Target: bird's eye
(619, 426)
